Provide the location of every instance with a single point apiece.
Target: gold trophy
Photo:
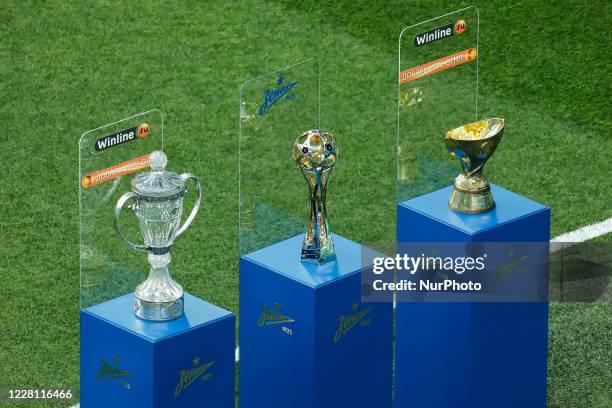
(473, 144)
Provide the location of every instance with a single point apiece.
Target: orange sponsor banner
(438, 65)
(111, 173)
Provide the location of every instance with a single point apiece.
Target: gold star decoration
(196, 360)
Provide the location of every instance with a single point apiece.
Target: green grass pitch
(69, 66)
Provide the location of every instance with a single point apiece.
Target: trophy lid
(157, 182)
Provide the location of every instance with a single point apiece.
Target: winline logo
(439, 33)
(123, 136)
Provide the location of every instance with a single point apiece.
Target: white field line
(586, 233)
(579, 235)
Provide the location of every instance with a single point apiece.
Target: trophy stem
(318, 246)
(159, 298)
(471, 193)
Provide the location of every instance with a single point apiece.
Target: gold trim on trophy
(472, 145)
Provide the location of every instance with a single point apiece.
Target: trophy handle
(118, 207)
(196, 206)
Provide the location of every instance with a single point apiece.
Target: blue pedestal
(472, 355)
(128, 362)
(306, 340)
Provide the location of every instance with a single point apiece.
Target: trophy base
(281, 295)
(133, 363)
(158, 311)
(314, 254)
(471, 202)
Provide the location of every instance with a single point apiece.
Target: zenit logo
(271, 317)
(190, 375)
(439, 33)
(273, 95)
(346, 323)
(111, 371)
(122, 136)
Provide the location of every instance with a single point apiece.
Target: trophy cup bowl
(472, 145)
(315, 154)
(158, 205)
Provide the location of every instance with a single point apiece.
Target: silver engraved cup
(158, 204)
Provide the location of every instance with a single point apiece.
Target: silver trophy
(315, 154)
(158, 205)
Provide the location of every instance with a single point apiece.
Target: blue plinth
(472, 355)
(306, 340)
(128, 362)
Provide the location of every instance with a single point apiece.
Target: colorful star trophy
(158, 205)
(315, 154)
(145, 343)
(302, 317)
